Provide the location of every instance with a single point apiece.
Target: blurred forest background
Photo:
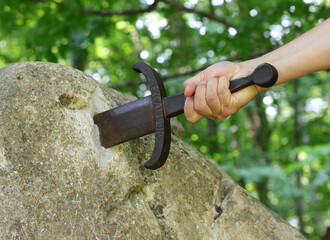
(277, 147)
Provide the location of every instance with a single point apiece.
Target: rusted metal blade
(134, 119)
(127, 122)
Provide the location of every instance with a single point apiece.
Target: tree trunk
(79, 53)
(296, 143)
(260, 136)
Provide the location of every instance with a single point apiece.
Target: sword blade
(126, 122)
(134, 119)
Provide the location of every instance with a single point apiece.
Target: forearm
(306, 54)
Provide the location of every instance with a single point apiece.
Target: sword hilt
(153, 113)
(265, 75)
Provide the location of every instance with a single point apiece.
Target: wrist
(251, 65)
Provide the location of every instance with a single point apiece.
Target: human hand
(208, 92)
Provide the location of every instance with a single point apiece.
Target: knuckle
(187, 82)
(222, 117)
(226, 112)
(200, 107)
(202, 76)
(191, 119)
(211, 97)
(222, 91)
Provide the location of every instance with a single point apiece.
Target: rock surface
(57, 182)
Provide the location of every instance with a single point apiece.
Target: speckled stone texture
(57, 182)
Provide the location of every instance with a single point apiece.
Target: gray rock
(57, 182)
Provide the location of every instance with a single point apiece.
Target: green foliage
(277, 147)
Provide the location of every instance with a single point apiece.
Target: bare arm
(208, 93)
(306, 54)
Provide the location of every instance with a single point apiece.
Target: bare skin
(208, 92)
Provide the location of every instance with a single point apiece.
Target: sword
(152, 113)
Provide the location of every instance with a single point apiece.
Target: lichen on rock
(57, 182)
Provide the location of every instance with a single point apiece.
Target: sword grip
(174, 105)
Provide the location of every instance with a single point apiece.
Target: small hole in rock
(66, 100)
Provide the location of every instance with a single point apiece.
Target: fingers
(200, 104)
(196, 107)
(204, 103)
(212, 97)
(225, 98)
(208, 92)
(213, 71)
(189, 110)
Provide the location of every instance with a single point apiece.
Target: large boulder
(57, 182)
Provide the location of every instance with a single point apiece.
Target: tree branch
(196, 70)
(188, 73)
(122, 12)
(173, 4)
(179, 6)
(163, 78)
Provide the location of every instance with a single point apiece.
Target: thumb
(243, 96)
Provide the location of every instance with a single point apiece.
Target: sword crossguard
(163, 126)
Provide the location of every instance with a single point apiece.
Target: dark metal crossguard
(152, 113)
